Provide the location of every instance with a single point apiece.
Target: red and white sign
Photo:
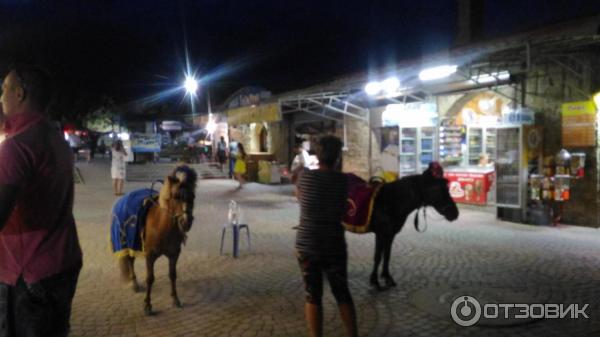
(469, 187)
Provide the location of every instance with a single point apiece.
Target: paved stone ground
(260, 293)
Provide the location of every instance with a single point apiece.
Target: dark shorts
(334, 267)
(39, 309)
(221, 156)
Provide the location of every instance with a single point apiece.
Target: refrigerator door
(426, 147)
(490, 144)
(508, 167)
(475, 143)
(408, 151)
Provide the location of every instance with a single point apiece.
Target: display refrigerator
(518, 154)
(481, 140)
(417, 146)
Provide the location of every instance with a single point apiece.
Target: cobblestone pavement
(260, 293)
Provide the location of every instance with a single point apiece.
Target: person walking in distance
(40, 255)
(232, 155)
(320, 241)
(119, 166)
(302, 161)
(239, 168)
(221, 152)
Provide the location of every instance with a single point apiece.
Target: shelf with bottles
(408, 133)
(408, 163)
(427, 133)
(451, 128)
(426, 144)
(491, 157)
(408, 150)
(451, 161)
(426, 158)
(451, 149)
(451, 140)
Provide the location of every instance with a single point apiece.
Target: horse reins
(175, 217)
(419, 206)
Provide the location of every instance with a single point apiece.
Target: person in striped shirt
(320, 241)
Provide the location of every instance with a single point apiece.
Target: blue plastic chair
(235, 228)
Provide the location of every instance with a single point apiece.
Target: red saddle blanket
(359, 205)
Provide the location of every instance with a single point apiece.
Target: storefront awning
(327, 105)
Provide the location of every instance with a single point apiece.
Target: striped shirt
(322, 196)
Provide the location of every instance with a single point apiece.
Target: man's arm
(8, 197)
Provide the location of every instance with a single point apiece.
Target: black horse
(395, 201)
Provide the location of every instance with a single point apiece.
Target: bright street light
(488, 78)
(190, 85)
(211, 126)
(390, 85)
(437, 73)
(373, 88)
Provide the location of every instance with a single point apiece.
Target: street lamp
(373, 88)
(389, 86)
(190, 85)
(436, 73)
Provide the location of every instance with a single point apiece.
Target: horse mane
(403, 183)
(181, 174)
(188, 178)
(186, 175)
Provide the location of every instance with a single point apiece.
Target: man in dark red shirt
(40, 256)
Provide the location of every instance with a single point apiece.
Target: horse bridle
(423, 205)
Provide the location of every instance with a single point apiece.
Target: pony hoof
(134, 286)
(148, 310)
(390, 283)
(375, 284)
(177, 304)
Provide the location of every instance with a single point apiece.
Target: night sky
(132, 49)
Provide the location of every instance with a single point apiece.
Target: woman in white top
(117, 170)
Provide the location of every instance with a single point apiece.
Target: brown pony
(167, 223)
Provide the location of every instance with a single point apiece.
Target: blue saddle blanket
(128, 219)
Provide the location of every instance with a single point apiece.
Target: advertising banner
(145, 142)
(469, 187)
(579, 124)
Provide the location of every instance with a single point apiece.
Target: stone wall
(356, 156)
(278, 134)
(548, 87)
(277, 140)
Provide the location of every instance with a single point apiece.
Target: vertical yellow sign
(579, 124)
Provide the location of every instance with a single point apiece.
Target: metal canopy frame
(345, 98)
(328, 105)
